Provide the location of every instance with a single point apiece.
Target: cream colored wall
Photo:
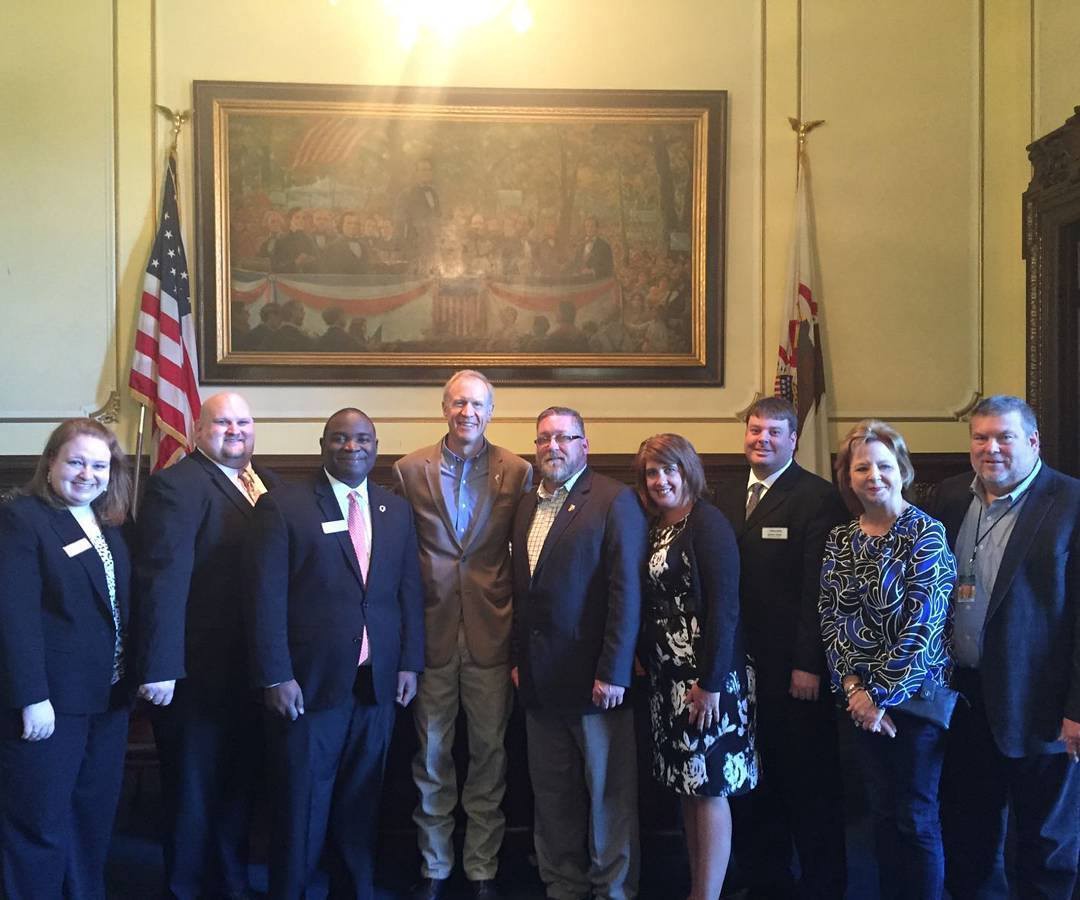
(917, 177)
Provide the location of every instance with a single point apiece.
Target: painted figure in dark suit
(64, 605)
(418, 219)
(578, 558)
(1016, 638)
(336, 632)
(463, 492)
(782, 515)
(594, 256)
(191, 652)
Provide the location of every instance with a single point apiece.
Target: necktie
(358, 534)
(755, 497)
(251, 487)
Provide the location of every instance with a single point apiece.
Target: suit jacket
(577, 618)
(781, 576)
(468, 580)
(1030, 669)
(189, 581)
(58, 637)
(308, 603)
(599, 258)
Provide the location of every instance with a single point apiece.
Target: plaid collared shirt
(548, 506)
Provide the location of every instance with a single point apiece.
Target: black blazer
(189, 578)
(781, 576)
(714, 566)
(57, 635)
(1030, 669)
(577, 618)
(308, 604)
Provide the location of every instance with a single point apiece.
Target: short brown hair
(866, 432)
(775, 408)
(670, 450)
(113, 506)
(563, 411)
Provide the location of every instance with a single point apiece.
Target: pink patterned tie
(358, 534)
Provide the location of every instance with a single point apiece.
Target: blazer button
(536, 632)
(356, 640)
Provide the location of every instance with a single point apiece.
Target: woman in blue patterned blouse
(886, 579)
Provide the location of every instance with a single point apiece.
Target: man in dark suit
(336, 634)
(190, 648)
(594, 256)
(419, 218)
(463, 492)
(1014, 745)
(578, 558)
(782, 515)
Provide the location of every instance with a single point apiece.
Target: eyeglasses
(563, 440)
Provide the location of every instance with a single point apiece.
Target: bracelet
(854, 688)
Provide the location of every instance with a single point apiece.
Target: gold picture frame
(391, 235)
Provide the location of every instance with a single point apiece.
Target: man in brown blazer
(463, 492)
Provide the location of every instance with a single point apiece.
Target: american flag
(800, 369)
(164, 363)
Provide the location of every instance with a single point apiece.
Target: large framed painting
(391, 235)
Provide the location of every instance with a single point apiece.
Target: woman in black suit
(702, 687)
(64, 601)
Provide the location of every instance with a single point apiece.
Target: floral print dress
(719, 761)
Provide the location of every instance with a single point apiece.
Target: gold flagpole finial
(178, 120)
(802, 129)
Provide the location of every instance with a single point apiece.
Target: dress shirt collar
(1015, 494)
(453, 461)
(771, 480)
(342, 490)
(543, 493)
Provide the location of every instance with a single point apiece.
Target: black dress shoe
(428, 889)
(485, 889)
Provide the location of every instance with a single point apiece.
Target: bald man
(192, 664)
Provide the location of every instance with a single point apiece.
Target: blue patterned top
(884, 606)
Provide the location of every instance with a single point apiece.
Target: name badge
(77, 547)
(774, 534)
(334, 527)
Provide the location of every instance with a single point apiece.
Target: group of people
(277, 626)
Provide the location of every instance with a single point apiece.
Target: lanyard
(979, 538)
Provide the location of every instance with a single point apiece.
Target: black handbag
(931, 702)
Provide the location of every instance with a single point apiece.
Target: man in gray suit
(463, 492)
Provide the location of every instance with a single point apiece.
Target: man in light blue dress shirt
(1013, 746)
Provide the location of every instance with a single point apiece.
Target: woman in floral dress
(702, 687)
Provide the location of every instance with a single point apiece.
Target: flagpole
(802, 129)
(178, 119)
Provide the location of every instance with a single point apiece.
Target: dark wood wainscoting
(930, 468)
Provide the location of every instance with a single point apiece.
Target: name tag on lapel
(77, 547)
(774, 534)
(335, 526)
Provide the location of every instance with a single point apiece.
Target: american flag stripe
(164, 359)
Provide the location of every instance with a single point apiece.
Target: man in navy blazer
(1015, 530)
(190, 648)
(336, 632)
(782, 514)
(578, 558)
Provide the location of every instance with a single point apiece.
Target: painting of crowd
(462, 235)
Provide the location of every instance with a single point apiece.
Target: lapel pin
(570, 508)
(382, 508)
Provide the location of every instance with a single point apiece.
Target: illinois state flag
(164, 362)
(800, 369)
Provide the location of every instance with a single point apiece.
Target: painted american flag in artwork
(164, 362)
(800, 369)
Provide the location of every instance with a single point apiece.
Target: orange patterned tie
(251, 487)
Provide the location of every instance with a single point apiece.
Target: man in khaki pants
(463, 492)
